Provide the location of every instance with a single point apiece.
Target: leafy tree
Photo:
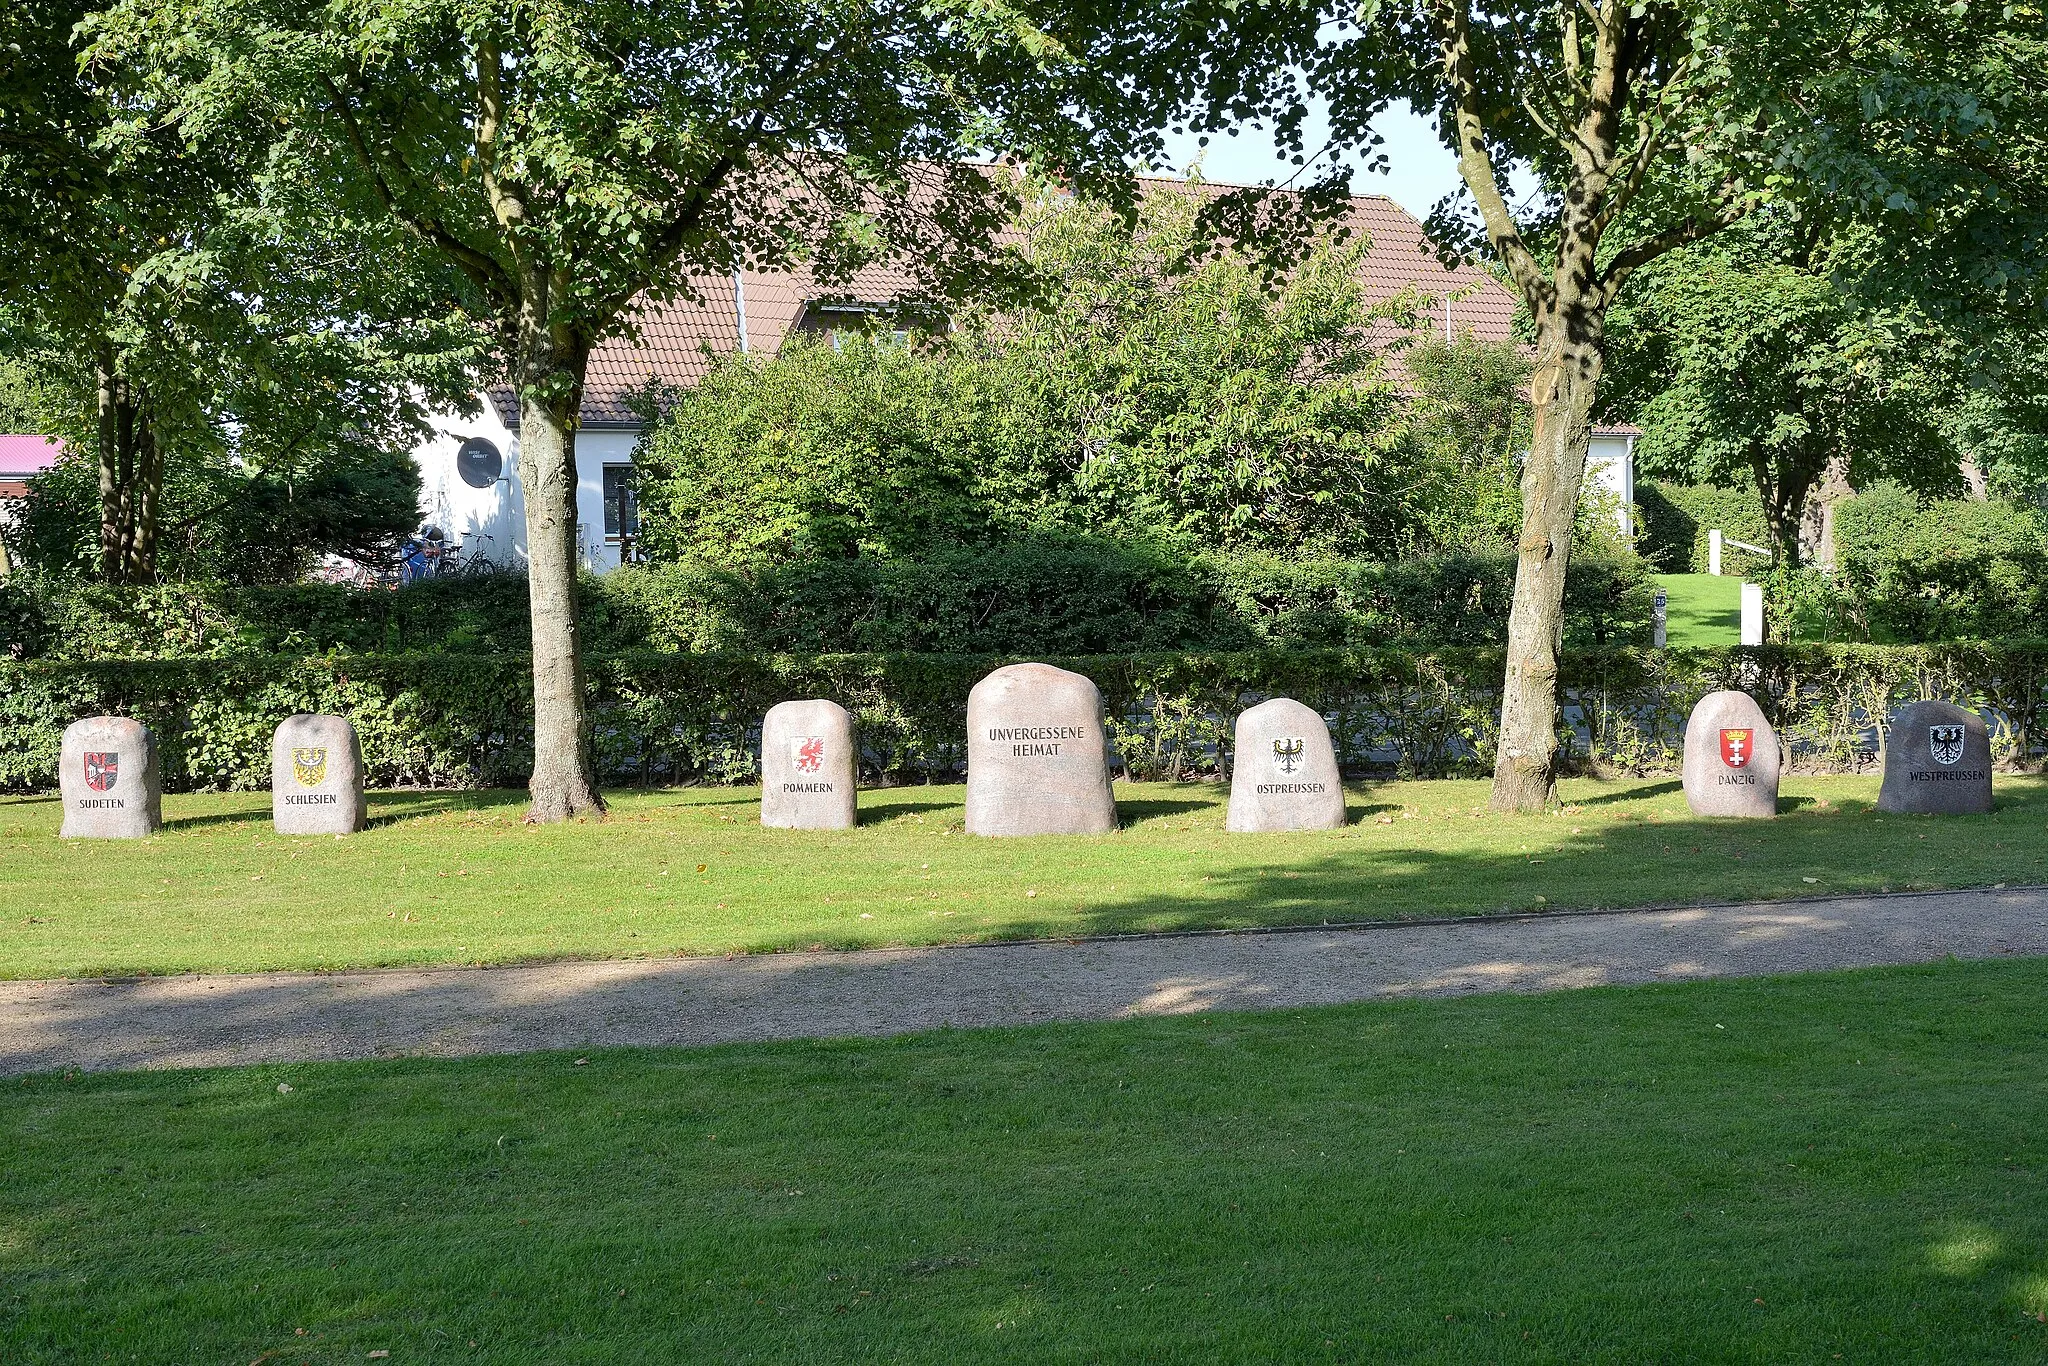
(225, 522)
(1652, 124)
(1167, 387)
(573, 158)
(828, 450)
(212, 376)
(1161, 392)
(1753, 366)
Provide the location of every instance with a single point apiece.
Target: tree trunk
(1976, 487)
(1784, 483)
(131, 470)
(1567, 373)
(113, 556)
(564, 781)
(1817, 526)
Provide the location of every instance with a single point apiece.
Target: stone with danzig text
(1731, 757)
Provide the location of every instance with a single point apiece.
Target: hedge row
(1053, 596)
(441, 720)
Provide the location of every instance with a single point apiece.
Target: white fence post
(1714, 551)
(1752, 614)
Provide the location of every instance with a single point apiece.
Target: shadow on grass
(1633, 794)
(891, 810)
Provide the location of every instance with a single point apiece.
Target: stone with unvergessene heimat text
(1037, 755)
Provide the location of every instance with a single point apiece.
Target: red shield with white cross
(101, 770)
(1736, 747)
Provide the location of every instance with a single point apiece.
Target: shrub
(1050, 595)
(1676, 519)
(464, 720)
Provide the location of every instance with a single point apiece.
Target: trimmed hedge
(439, 719)
(1676, 519)
(1050, 596)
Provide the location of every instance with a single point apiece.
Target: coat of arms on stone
(810, 753)
(101, 770)
(1945, 743)
(309, 766)
(1287, 753)
(1737, 747)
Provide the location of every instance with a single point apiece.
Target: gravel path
(208, 1021)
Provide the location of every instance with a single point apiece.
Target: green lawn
(1847, 1167)
(1701, 610)
(456, 877)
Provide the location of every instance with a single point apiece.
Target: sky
(1420, 170)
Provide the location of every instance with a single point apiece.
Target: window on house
(621, 511)
(841, 324)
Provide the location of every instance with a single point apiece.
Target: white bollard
(1714, 552)
(1752, 614)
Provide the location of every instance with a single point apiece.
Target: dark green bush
(1921, 570)
(1676, 519)
(1053, 595)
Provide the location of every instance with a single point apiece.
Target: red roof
(22, 456)
(678, 342)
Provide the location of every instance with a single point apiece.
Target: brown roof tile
(678, 342)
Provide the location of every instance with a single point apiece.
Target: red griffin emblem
(1736, 746)
(810, 754)
(101, 770)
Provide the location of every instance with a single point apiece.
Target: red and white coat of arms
(1737, 747)
(101, 770)
(810, 753)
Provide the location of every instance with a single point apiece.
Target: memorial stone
(107, 772)
(1937, 758)
(1731, 758)
(1283, 772)
(809, 778)
(1037, 755)
(316, 777)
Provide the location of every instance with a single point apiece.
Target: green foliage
(821, 452)
(1158, 394)
(1676, 518)
(1747, 363)
(1061, 595)
(1914, 569)
(223, 520)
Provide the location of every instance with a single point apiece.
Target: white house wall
(491, 522)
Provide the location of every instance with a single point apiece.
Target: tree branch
(1732, 206)
(1475, 163)
(480, 266)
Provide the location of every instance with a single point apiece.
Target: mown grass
(1701, 610)
(1846, 1167)
(456, 877)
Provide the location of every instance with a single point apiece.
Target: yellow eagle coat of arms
(310, 766)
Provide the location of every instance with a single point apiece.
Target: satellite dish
(479, 463)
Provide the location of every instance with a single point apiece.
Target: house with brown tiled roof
(471, 490)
